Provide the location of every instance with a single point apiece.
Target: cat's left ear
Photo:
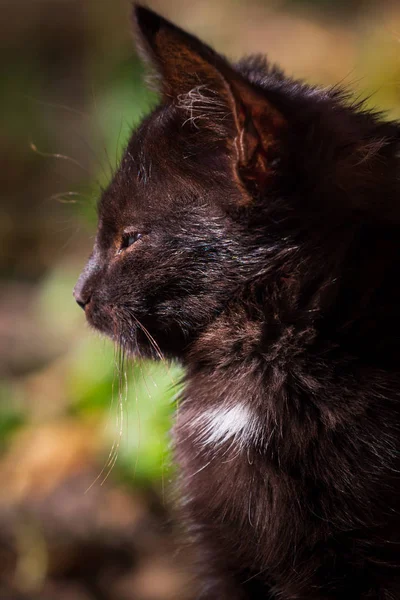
(196, 77)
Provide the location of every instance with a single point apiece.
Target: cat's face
(235, 171)
(170, 246)
(167, 248)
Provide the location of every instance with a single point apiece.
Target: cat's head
(233, 174)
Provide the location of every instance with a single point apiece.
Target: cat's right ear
(201, 81)
(179, 60)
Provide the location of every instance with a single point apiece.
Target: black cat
(252, 232)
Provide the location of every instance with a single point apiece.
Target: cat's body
(283, 488)
(252, 232)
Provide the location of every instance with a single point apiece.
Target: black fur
(268, 265)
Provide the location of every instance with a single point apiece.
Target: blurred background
(84, 452)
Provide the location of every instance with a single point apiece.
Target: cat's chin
(103, 321)
(135, 342)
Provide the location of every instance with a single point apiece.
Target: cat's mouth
(124, 328)
(102, 319)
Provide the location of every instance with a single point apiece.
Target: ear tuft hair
(211, 91)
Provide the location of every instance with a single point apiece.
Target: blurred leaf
(11, 419)
(56, 306)
(91, 375)
(147, 406)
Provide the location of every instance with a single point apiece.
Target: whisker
(150, 338)
(140, 365)
(34, 148)
(112, 169)
(111, 453)
(156, 347)
(120, 413)
(117, 145)
(95, 155)
(80, 113)
(66, 197)
(139, 430)
(70, 109)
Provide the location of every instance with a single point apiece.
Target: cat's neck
(242, 376)
(269, 382)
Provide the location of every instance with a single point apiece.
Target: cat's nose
(86, 282)
(82, 295)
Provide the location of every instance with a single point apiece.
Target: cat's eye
(129, 238)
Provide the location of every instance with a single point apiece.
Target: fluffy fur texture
(252, 232)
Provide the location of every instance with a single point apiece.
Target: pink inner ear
(260, 128)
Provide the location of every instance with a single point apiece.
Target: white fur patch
(220, 424)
